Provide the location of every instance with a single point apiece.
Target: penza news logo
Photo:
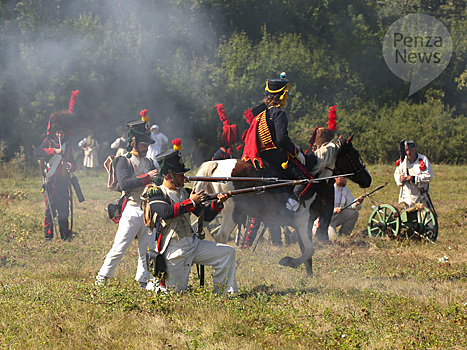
(417, 48)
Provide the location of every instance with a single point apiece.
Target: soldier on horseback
(267, 142)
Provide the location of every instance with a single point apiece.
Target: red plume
(332, 125)
(74, 97)
(248, 114)
(222, 115)
(177, 145)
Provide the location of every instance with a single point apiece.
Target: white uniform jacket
(343, 197)
(411, 192)
(173, 208)
(182, 248)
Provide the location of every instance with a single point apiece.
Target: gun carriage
(414, 222)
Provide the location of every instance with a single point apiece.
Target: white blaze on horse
(333, 158)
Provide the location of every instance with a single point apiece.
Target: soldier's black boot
(64, 231)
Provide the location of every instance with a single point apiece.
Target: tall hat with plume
(227, 134)
(138, 131)
(171, 160)
(322, 135)
(62, 120)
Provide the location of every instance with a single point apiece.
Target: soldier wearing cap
(413, 175)
(267, 142)
(170, 207)
(55, 149)
(133, 172)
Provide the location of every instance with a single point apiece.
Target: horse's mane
(325, 154)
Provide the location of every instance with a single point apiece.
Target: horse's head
(349, 161)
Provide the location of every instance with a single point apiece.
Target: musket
(70, 191)
(45, 186)
(425, 192)
(233, 178)
(364, 196)
(402, 154)
(272, 186)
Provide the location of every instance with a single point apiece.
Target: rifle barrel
(364, 196)
(268, 187)
(233, 178)
(254, 189)
(264, 179)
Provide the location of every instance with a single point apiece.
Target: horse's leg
(309, 262)
(302, 220)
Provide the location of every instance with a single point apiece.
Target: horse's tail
(206, 169)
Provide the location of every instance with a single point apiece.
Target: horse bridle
(356, 171)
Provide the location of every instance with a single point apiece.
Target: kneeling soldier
(170, 208)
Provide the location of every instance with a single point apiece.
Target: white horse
(332, 157)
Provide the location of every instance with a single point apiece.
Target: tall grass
(366, 293)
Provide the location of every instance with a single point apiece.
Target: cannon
(414, 222)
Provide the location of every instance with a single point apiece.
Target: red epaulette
(422, 164)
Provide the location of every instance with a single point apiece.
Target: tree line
(178, 58)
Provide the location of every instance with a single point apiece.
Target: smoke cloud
(122, 56)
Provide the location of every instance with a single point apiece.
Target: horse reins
(335, 171)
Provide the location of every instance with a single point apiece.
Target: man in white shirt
(345, 218)
(159, 140)
(413, 175)
(120, 144)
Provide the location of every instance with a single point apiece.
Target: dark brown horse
(334, 158)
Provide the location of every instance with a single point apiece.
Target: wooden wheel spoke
(375, 232)
(383, 222)
(422, 217)
(388, 214)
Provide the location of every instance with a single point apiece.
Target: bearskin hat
(323, 135)
(62, 121)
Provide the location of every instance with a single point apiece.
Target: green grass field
(367, 293)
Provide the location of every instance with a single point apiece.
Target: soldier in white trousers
(133, 172)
